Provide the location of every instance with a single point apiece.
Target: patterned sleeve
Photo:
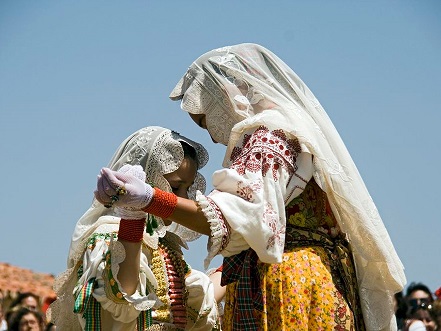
(247, 206)
(98, 283)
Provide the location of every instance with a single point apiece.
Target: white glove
(130, 213)
(123, 189)
(134, 170)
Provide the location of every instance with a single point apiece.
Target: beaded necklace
(170, 270)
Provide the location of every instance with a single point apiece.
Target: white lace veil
(159, 152)
(243, 86)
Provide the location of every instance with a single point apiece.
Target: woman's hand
(123, 188)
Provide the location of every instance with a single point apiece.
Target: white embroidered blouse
(247, 207)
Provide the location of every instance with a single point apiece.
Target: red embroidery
(247, 191)
(271, 218)
(223, 223)
(266, 151)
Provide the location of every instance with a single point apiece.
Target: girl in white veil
(304, 246)
(95, 271)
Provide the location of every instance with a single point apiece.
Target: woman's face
(418, 295)
(201, 121)
(30, 302)
(181, 179)
(424, 316)
(29, 322)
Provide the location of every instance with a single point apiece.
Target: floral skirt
(301, 293)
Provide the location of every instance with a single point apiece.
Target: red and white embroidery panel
(266, 151)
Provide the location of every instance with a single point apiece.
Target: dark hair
(14, 322)
(436, 312)
(49, 326)
(189, 151)
(23, 296)
(418, 287)
(401, 311)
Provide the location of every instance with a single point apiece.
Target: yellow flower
(297, 219)
(329, 221)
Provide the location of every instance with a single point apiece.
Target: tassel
(152, 224)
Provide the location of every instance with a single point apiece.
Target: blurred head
(26, 299)
(418, 294)
(25, 319)
(30, 302)
(423, 314)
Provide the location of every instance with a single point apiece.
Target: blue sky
(77, 77)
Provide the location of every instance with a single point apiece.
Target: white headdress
(159, 152)
(234, 87)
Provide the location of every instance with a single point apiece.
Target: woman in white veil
(115, 283)
(251, 86)
(302, 240)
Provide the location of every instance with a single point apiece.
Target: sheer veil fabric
(244, 86)
(159, 152)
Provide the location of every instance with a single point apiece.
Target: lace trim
(113, 288)
(218, 230)
(61, 311)
(200, 97)
(129, 214)
(151, 241)
(184, 233)
(161, 230)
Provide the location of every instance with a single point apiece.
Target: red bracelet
(131, 230)
(163, 204)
